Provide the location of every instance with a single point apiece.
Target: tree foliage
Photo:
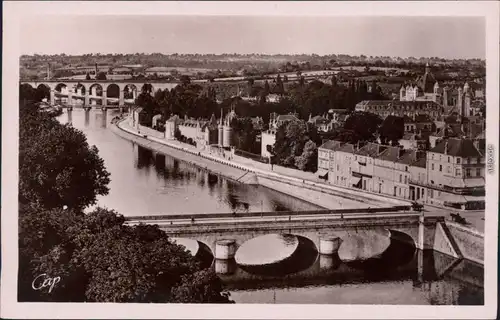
(363, 125)
(391, 130)
(289, 149)
(57, 166)
(96, 256)
(101, 76)
(100, 259)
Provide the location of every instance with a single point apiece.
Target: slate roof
(348, 147)
(391, 154)
(331, 145)
(457, 147)
(287, 117)
(371, 149)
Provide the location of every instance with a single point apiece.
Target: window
(400, 178)
(448, 159)
(406, 168)
(423, 192)
(457, 172)
(478, 160)
(448, 169)
(406, 179)
(458, 160)
(432, 166)
(467, 173)
(440, 168)
(478, 172)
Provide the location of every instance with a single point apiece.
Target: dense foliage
(296, 146)
(57, 167)
(100, 259)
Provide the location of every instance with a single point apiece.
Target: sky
(445, 37)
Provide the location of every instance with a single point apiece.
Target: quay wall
(245, 171)
(470, 242)
(217, 167)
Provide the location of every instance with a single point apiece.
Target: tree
(363, 125)
(266, 88)
(308, 160)
(57, 167)
(391, 130)
(280, 89)
(103, 260)
(185, 80)
(101, 76)
(177, 134)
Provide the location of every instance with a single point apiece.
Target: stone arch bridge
(92, 91)
(225, 233)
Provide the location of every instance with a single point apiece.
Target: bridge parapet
(345, 212)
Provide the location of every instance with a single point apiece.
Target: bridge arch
(61, 87)
(402, 237)
(96, 92)
(131, 91)
(113, 91)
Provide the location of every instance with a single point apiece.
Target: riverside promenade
(251, 172)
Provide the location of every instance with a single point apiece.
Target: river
(146, 183)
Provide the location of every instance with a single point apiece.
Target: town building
(203, 132)
(455, 174)
(321, 123)
(450, 175)
(326, 157)
(385, 108)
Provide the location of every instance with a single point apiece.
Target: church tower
(402, 93)
(445, 97)
(436, 92)
(460, 100)
(467, 100)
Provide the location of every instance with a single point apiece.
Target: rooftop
(331, 145)
(457, 147)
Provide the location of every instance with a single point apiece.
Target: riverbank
(243, 170)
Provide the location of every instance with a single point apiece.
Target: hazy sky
(447, 37)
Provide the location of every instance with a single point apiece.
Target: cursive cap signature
(44, 281)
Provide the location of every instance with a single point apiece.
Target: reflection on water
(427, 277)
(144, 182)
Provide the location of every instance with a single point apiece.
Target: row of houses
(451, 174)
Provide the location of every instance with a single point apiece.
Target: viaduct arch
(86, 89)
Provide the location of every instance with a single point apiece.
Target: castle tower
(228, 132)
(221, 129)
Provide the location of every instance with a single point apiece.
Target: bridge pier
(421, 229)
(329, 245)
(326, 262)
(52, 97)
(225, 249)
(225, 266)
